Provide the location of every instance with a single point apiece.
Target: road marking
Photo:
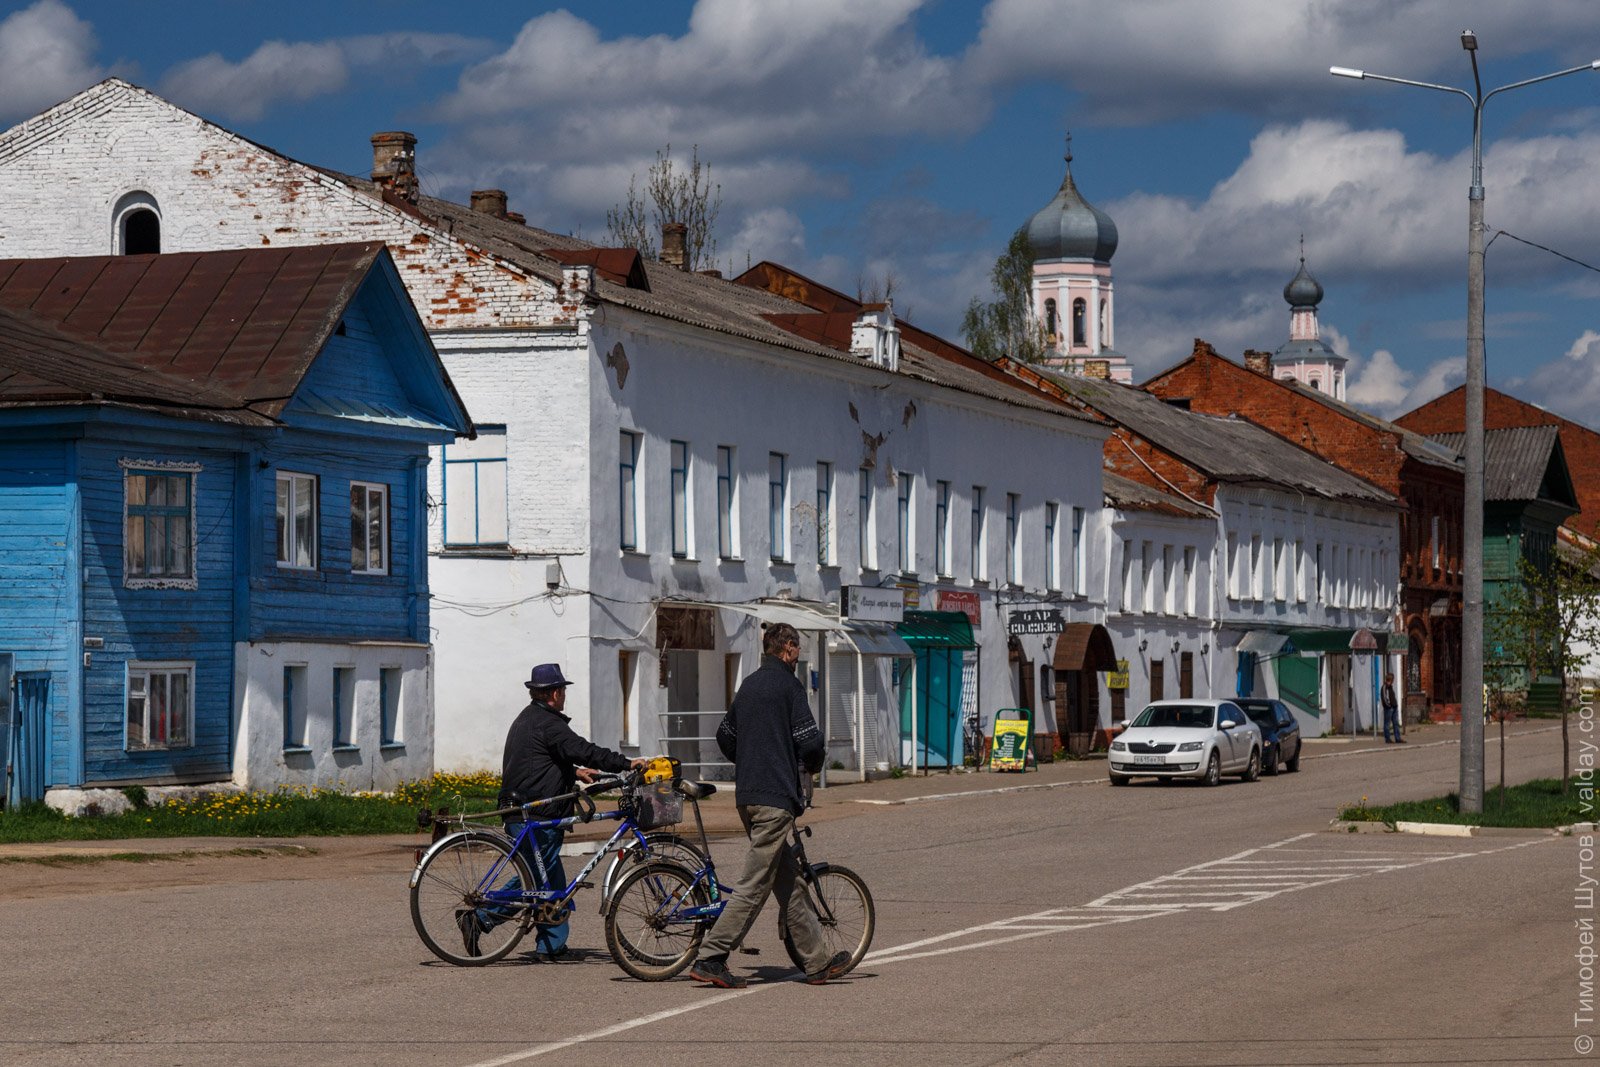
(1182, 891)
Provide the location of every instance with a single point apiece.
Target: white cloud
(46, 55)
(1569, 384)
(283, 71)
(773, 233)
(1161, 59)
(1379, 384)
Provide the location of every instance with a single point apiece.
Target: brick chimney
(1260, 362)
(674, 245)
(490, 202)
(394, 163)
(1097, 368)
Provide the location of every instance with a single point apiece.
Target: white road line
(1120, 906)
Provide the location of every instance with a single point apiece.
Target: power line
(1543, 248)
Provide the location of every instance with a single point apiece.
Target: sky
(863, 140)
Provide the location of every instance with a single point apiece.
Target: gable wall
(354, 366)
(66, 171)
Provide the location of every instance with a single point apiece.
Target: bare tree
(670, 195)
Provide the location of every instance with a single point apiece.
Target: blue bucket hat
(547, 676)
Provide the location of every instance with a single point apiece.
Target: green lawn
(286, 813)
(1538, 803)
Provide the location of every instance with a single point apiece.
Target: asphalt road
(1039, 919)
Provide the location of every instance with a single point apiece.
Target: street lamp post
(1471, 788)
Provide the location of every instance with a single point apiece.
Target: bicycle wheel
(848, 920)
(447, 902)
(644, 930)
(659, 846)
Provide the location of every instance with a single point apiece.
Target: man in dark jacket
(544, 758)
(769, 734)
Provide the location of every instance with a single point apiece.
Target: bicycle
(469, 872)
(659, 912)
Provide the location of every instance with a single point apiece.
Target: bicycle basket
(656, 805)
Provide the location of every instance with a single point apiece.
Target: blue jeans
(1391, 722)
(548, 841)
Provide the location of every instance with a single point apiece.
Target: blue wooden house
(213, 550)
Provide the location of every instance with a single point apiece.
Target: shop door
(936, 692)
(1079, 693)
(1338, 688)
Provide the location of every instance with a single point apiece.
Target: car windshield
(1191, 716)
(1262, 714)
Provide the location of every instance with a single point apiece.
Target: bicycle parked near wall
(661, 909)
(476, 891)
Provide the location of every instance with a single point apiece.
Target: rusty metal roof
(225, 335)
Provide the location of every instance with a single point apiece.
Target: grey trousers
(769, 866)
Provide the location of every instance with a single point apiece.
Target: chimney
(394, 163)
(517, 217)
(674, 245)
(875, 337)
(1260, 362)
(1097, 368)
(490, 202)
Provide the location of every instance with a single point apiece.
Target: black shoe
(715, 972)
(834, 968)
(467, 919)
(1399, 740)
(553, 955)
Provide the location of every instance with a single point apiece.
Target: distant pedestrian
(543, 758)
(1391, 712)
(768, 734)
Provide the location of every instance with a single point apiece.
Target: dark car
(1280, 733)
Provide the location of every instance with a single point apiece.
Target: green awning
(937, 629)
(1339, 641)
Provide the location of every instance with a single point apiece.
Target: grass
(1538, 803)
(78, 859)
(285, 813)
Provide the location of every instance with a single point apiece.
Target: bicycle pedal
(750, 951)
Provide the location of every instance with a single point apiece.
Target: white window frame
(727, 504)
(905, 524)
(288, 543)
(1052, 545)
(941, 530)
(1257, 568)
(369, 490)
(778, 507)
(1189, 584)
(142, 672)
(1233, 582)
(1080, 561)
(1280, 577)
(866, 539)
(827, 552)
(980, 531)
(1127, 576)
(1013, 539)
(628, 525)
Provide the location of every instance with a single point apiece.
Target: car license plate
(1148, 760)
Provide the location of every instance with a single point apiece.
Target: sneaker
(467, 919)
(834, 968)
(715, 972)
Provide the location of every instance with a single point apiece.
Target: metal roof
(225, 335)
(1224, 449)
(1515, 460)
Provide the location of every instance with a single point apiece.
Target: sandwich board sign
(1013, 734)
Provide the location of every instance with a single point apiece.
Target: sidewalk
(838, 801)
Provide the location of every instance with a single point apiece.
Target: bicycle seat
(695, 790)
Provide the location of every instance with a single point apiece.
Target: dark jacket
(541, 760)
(1387, 697)
(768, 734)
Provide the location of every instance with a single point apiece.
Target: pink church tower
(1306, 357)
(1073, 242)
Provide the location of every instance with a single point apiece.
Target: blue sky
(857, 140)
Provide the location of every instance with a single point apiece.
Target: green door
(933, 699)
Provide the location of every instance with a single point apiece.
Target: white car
(1202, 739)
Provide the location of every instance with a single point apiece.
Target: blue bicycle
(477, 891)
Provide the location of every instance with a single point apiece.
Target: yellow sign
(1118, 679)
(1008, 750)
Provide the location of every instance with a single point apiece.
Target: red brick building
(1424, 475)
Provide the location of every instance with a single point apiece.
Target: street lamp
(1471, 789)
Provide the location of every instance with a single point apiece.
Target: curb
(1436, 829)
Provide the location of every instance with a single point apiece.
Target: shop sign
(869, 603)
(1035, 621)
(1008, 750)
(1118, 679)
(913, 594)
(960, 600)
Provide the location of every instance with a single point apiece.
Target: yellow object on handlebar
(662, 769)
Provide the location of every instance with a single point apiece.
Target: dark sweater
(768, 734)
(541, 760)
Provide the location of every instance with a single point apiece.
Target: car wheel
(1294, 763)
(1213, 770)
(1252, 770)
(1269, 760)
(1117, 779)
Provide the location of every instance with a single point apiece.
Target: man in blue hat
(544, 757)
